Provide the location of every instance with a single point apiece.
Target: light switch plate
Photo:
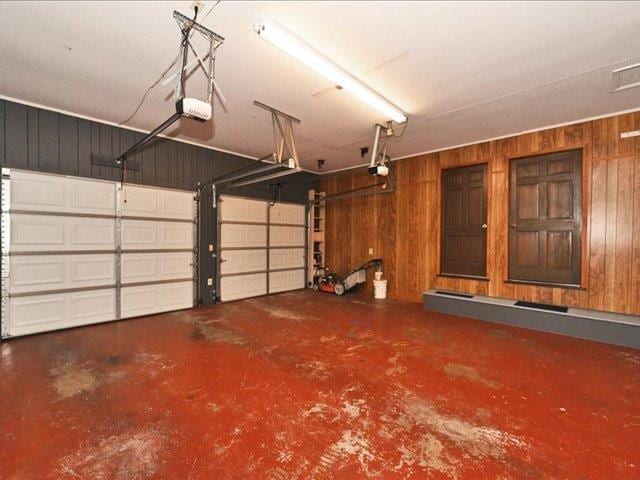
(634, 133)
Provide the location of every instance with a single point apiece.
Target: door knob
(484, 225)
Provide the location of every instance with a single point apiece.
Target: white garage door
(262, 247)
(78, 251)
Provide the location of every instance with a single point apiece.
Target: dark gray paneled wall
(36, 139)
(45, 141)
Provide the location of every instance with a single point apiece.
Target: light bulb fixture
(288, 43)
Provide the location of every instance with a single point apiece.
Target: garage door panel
(243, 236)
(59, 226)
(285, 281)
(41, 313)
(149, 267)
(239, 261)
(150, 299)
(56, 193)
(287, 213)
(37, 273)
(286, 236)
(176, 265)
(33, 233)
(147, 234)
(286, 258)
(284, 239)
(158, 203)
(235, 209)
(243, 286)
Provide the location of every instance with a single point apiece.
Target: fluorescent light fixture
(289, 44)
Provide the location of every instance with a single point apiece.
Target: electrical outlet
(370, 251)
(634, 133)
(209, 281)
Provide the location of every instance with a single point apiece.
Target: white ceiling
(463, 72)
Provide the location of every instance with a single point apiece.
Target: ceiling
(463, 72)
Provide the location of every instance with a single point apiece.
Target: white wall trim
(126, 127)
(514, 134)
(337, 170)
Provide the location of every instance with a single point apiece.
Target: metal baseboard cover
(613, 328)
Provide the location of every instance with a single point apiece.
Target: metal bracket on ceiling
(191, 108)
(284, 143)
(187, 25)
(379, 157)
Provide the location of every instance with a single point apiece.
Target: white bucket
(380, 289)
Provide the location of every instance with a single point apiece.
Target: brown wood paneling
(407, 224)
(634, 304)
(385, 235)
(362, 226)
(598, 207)
(624, 239)
(610, 234)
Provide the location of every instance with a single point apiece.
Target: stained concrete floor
(310, 385)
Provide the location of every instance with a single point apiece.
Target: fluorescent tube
(289, 44)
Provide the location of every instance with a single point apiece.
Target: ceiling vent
(626, 77)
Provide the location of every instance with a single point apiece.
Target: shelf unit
(316, 260)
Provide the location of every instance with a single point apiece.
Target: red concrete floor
(311, 385)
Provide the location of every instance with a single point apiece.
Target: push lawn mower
(332, 283)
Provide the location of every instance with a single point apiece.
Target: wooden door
(545, 218)
(464, 221)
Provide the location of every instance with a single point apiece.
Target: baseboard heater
(604, 327)
(542, 306)
(454, 294)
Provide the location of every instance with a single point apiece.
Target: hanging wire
(211, 9)
(153, 85)
(404, 129)
(164, 73)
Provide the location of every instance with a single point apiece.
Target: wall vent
(626, 77)
(542, 306)
(454, 294)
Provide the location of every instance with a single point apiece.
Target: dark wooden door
(545, 218)
(464, 221)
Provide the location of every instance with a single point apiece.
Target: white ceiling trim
(328, 172)
(457, 78)
(514, 134)
(139, 130)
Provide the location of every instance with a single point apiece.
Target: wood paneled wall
(404, 228)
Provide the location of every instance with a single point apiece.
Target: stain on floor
(307, 385)
(470, 374)
(70, 379)
(128, 456)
